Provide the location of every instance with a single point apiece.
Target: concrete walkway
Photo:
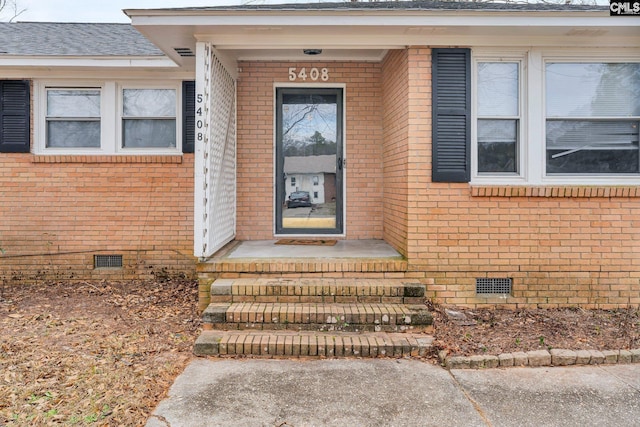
(382, 392)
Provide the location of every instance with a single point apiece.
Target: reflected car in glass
(299, 199)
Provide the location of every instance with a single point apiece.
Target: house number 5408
(313, 73)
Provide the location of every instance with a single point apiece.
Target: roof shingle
(404, 5)
(73, 39)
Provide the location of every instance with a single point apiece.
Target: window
(498, 113)
(541, 117)
(293, 181)
(111, 117)
(148, 118)
(73, 118)
(316, 180)
(592, 117)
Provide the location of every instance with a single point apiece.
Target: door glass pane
(310, 156)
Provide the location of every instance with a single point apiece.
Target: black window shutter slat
(451, 80)
(188, 116)
(15, 129)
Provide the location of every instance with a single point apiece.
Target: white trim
(506, 56)
(380, 18)
(121, 86)
(159, 62)
(199, 208)
(342, 86)
(110, 116)
(533, 114)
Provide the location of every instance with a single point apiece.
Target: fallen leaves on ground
(494, 330)
(105, 353)
(86, 353)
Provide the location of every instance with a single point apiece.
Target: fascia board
(29, 61)
(441, 19)
(388, 41)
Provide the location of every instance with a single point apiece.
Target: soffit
(367, 36)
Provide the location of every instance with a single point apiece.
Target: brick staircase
(316, 317)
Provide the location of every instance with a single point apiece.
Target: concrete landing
(342, 249)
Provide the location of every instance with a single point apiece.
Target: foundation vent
(493, 286)
(107, 261)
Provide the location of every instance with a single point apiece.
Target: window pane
(149, 102)
(73, 103)
(73, 134)
(497, 145)
(149, 133)
(592, 90)
(581, 146)
(497, 89)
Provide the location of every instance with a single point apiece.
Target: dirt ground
(467, 332)
(92, 353)
(104, 354)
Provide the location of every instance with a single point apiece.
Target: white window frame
(591, 178)
(110, 119)
(533, 115)
(506, 56)
(120, 117)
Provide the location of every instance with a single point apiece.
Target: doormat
(316, 242)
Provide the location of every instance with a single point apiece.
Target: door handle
(342, 163)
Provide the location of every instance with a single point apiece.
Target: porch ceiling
(367, 36)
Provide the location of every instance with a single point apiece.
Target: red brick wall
(255, 145)
(57, 212)
(395, 91)
(561, 245)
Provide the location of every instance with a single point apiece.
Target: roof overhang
(367, 34)
(153, 62)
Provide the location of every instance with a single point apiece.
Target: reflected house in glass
(473, 140)
(314, 174)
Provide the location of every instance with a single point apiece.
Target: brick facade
(363, 141)
(59, 211)
(561, 245)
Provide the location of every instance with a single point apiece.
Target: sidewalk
(389, 392)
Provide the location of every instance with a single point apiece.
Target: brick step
(318, 290)
(301, 265)
(311, 316)
(312, 344)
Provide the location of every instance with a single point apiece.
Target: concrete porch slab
(342, 249)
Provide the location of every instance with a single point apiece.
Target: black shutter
(188, 116)
(15, 115)
(451, 79)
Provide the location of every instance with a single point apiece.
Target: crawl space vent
(494, 286)
(184, 51)
(107, 261)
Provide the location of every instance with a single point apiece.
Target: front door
(309, 161)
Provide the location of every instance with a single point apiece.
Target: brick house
(493, 148)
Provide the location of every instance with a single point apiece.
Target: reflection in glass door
(309, 161)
